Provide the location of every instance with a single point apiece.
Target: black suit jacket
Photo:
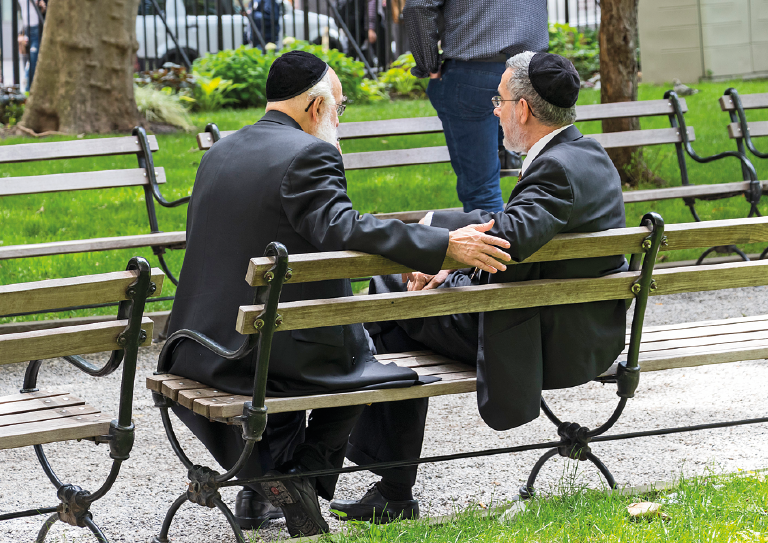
(571, 186)
(273, 182)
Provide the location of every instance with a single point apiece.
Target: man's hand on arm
(425, 281)
(471, 246)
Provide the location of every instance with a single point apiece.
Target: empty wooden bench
(36, 416)
(661, 348)
(740, 129)
(146, 176)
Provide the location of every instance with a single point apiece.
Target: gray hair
(322, 89)
(520, 86)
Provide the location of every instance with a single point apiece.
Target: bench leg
(574, 444)
(43, 533)
(204, 482)
(162, 537)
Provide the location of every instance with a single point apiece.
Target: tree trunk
(84, 77)
(618, 82)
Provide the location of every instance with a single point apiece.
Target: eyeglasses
(340, 108)
(498, 100)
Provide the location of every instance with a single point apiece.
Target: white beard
(326, 130)
(513, 141)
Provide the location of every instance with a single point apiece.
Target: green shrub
(399, 81)
(161, 105)
(247, 68)
(211, 94)
(11, 106)
(581, 48)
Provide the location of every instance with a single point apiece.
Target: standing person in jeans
(30, 38)
(476, 37)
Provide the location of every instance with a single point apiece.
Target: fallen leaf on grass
(646, 510)
(515, 509)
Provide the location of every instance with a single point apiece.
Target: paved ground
(153, 478)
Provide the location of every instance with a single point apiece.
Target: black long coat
(273, 182)
(571, 186)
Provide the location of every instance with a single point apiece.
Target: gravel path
(153, 477)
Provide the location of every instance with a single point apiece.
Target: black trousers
(394, 431)
(313, 444)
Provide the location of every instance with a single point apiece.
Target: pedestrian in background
(476, 37)
(32, 12)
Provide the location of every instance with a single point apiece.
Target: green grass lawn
(115, 212)
(727, 509)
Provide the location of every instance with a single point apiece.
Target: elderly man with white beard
(567, 184)
(282, 179)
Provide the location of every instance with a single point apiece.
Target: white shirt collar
(537, 148)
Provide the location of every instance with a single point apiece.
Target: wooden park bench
(661, 347)
(36, 416)
(146, 175)
(671, 106)
(740, 129)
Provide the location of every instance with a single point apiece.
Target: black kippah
(293, 73)
(555, 79)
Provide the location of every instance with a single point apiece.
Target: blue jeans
(33, 33)
(462, 98)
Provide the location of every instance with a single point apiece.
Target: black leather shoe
(373, 507)
(298, 500)
(252, 511)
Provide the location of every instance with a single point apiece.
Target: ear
(525, 112)
(314, 111)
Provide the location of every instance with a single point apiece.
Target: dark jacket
(571, 186)
(273, 182)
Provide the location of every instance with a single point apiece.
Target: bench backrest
(55, 294)
(313, 267)
(748, 101)
(120, 146)
(437, 155)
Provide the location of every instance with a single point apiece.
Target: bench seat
(663, 347)
(48, 416)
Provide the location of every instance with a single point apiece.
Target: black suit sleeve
(314, 197)
(540, 208)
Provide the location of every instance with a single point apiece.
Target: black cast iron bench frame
(39, 416)
(260, 322)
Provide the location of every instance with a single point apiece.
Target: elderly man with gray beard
(567, 184)
(282, 179)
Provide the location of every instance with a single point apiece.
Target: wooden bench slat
(170, 240)
(37, 404)
(418, 361)
(28, 152)
(187, 398)
(61, 182)
(65, 341)
(698, 324)
(640, 138)
(756, 129)
(689, 191)
(748, 101)
(47, 414)
(705, 331)
(431, 125)
(348, 264)
(75, 291)
(396, 158)
(172, 387)
(642, 108)
(205, 406)
(494, 297)
(651, 347)
(390, 127)
(50, 431)
(22, 397)
(155, 382)
(410, 216)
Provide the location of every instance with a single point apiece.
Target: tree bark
(84, 77)
(618, 82)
